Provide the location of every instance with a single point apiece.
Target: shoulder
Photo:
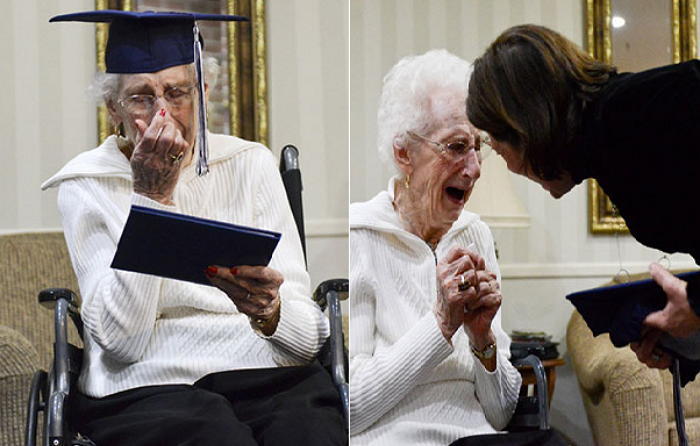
(225, 148)
(376, 213)
(105, 161)
(658, 86)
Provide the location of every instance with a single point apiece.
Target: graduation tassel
(203, 160)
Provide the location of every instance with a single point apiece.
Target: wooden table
(550, 372)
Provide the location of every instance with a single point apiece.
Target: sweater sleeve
(119, 307)
(302, 328)
(380, 378)
(496, 391)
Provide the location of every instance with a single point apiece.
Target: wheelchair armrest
(66, 358)
(330, 293)
(340, 286)
(50, 297)
(541, 387)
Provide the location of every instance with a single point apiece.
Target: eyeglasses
(485, 143)
(459, 148)
(144, 104)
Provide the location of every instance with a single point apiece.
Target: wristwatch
(487, 353)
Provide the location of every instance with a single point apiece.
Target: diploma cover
(181, 247)
(621, 309)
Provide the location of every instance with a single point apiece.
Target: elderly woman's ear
(402, 155)
(112, 110)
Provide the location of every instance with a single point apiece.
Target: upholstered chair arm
(626, 394)
(18, 362)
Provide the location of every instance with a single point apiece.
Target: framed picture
(238, 103)
(634, 35)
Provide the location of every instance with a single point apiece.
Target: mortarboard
(146, 42)
(620, 310)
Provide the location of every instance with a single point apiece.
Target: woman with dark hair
(558, 116)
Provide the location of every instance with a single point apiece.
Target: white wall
(308, 66)
(46, 117)
(555, 255)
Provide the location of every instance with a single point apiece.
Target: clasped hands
(468, 296)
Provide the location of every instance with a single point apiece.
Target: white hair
(404, 104)
(105, 86)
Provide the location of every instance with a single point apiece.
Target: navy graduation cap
(146, 42)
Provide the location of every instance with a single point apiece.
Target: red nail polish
(211, 271)
(234, 270)
(162, 112)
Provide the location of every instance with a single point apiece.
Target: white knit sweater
(408, 385)
(143, 330)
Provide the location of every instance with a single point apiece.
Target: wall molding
(29, 230)
(578, 269)
(506, 221)
(326, 227)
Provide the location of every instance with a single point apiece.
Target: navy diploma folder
(181, 247)
(620, 309)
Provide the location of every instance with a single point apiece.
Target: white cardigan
(143, 330)
(408, 385)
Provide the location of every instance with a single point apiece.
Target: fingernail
(162, 112)
(234, 270)
(211, 271)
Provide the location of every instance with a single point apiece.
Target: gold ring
(463, 284)
(176, 158)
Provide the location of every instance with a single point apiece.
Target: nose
(471, 166)
(159, 104)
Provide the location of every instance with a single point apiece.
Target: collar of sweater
(378, 214)
(108, 161)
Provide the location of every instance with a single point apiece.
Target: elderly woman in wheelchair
(170, 362)
(429, 362)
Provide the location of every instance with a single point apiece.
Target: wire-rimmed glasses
(143, 105)
(460, 147)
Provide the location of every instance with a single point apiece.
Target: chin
(557, 194)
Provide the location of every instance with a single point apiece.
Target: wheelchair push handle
(289, 159)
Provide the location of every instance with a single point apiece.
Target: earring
(407, 181)
(119, 130)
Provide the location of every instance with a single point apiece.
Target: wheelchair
(50, 389)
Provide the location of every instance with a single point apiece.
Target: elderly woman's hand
(254, 290)
(481, 310)
(156, 160)
(460, 265)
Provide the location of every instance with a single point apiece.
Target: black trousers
(278, 406)
(534, 438)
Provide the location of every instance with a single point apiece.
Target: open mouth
(455, 194)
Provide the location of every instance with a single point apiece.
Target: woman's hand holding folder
(254, 290)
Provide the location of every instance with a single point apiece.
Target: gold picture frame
(603, 216)
(247, 68)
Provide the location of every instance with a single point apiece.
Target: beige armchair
(29, 262)
(627, 403)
